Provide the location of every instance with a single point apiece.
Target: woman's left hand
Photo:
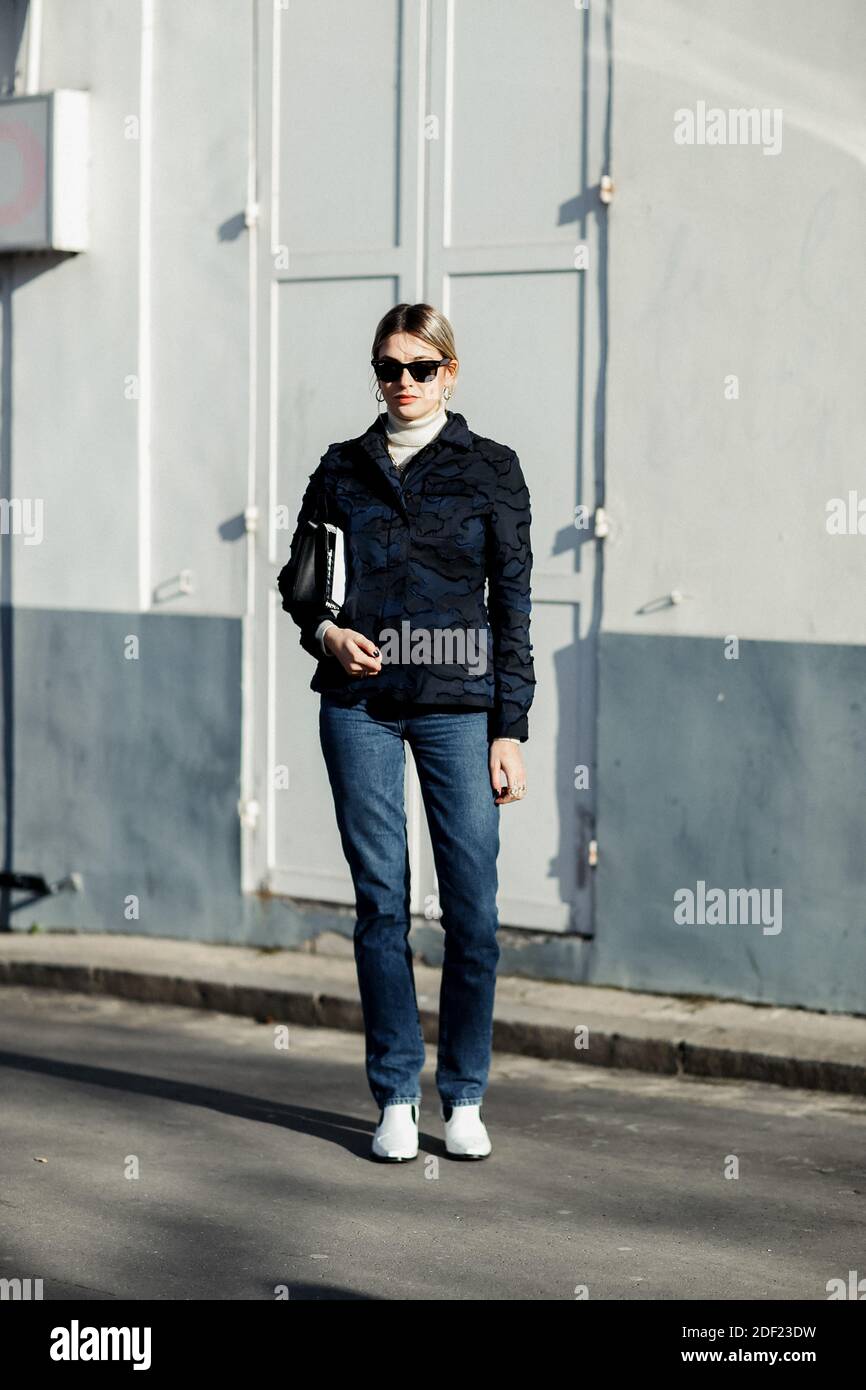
(506, 757)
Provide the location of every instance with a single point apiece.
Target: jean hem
(467, 1100)
(399, 1100)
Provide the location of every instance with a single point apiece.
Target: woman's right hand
(357, 655)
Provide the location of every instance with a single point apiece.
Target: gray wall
(163, 473)
(126, 410)
(744, 773)
(741, 772)
(124, 769)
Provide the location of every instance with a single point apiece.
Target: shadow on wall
(590, 471)
(13, 20)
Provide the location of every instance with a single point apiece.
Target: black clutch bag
(314, 580)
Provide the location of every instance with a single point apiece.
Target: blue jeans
(363, 747)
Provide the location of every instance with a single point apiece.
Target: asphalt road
(253, 1172)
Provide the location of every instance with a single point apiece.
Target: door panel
(432, 151)
(338, 130)
(508, 206)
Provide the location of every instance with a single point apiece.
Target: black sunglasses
(389, 369)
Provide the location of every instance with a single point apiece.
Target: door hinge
(592, 854)
(601, 522)
(249, 814)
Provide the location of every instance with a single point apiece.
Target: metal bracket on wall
(183, 583)
(249, 814)
(39, 885)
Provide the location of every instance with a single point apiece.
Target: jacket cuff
(500, 725)
(309, 637)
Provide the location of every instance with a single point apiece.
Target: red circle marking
(32, 172)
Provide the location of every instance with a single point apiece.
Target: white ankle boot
(396, 1136)
(465, 1133)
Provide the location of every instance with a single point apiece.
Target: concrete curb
(310, 1007)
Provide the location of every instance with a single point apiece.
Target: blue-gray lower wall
(127, 771)
(745, 773)
(742, 774)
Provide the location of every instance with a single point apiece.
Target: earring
(379, 396)
(447, 393)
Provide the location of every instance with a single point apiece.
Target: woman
(428, 510)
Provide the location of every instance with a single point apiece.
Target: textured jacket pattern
(419, 544)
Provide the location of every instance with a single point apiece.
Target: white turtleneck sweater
(404, 439)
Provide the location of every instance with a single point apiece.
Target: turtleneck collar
(415, 432)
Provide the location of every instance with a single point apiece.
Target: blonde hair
(422, 321)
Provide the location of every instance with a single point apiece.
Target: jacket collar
(453, 438)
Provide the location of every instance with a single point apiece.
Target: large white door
(435, 150)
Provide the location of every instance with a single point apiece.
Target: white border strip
(34, 47)
(145, 403)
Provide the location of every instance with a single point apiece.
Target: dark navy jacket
(419, 543)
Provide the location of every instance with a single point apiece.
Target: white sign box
(44, 171)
